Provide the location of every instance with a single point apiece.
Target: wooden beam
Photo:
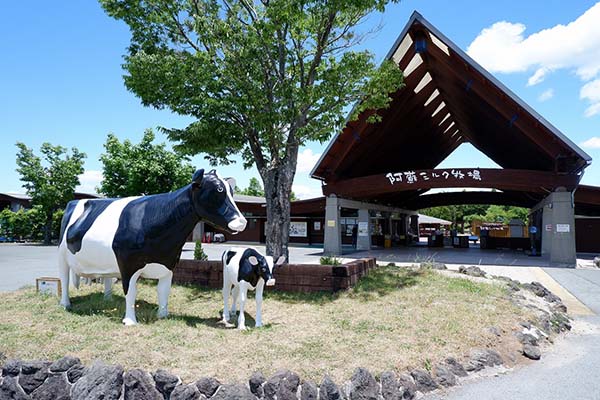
(503, 179)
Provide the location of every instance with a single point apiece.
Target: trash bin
(387, 242)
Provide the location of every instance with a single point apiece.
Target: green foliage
(326, 260)
(145, 168)
(28, 224)
(259, 78)
(254, 189)
(464, 214)
(51, 186)
(199, 253)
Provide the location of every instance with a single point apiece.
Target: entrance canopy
(448, 99)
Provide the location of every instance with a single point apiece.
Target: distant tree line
(463, 215)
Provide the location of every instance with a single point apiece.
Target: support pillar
(332, 244)
(560, 240)
(363, 242)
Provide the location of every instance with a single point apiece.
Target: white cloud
(503, 47)
(591, 92)
(592, 143)
(307, 191)
(307, 160)
(88, 181)
(546, 95)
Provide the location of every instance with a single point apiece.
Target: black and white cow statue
(243, 269)
(143, 236)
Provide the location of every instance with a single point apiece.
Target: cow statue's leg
(63, 271)
(243, 293)
(108, 288)
(226, 292)
(130, 300)
(164, 289)
(259, 295)
(235, 294)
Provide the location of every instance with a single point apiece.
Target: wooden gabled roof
(448, 99)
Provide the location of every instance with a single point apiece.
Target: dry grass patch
(394, 319)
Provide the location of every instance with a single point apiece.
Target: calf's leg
(243, 293)
(63, 273)
(108, 284)
(235, 294)
(164, 289)
(226, 292)
(259, 294)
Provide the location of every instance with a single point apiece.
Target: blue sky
(61, 77)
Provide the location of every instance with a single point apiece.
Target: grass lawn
(394, 319)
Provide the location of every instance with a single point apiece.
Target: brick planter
(289, 277)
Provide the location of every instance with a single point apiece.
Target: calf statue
(142, 236)
(243, 269)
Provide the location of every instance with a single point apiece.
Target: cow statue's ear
(231, 183)
(197, 179)
(253, 260)
(280, 260)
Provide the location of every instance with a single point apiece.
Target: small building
(428, 225)
(17, 201)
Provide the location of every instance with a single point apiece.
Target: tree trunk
(278, 186)
(48, 230)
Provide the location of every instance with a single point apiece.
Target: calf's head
(213, 201)
(264, 267)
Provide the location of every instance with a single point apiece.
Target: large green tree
(260, 77)
(51, 184)
(145, 168)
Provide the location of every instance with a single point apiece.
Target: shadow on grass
(379, 282)
(146, 313)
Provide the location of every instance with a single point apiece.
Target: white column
(363, 242)
(333, 238)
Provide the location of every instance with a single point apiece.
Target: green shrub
(329, 261)
(199, 253)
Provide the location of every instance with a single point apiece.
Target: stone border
(288, 277)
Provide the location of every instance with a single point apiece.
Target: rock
(363, 386)
(407, 386)
(423, 380)
(455, 367)
(10, 390)
(433, 265)
(552, 298)
(443, 376)
(256, 381)
(559, 307)
(140, 385)
(55, 387)
(560, 322)
(11, 368)
(537, 288)
(207, 386)
(309, 391)
(64, 364)
(238, 392)
(390, 387)
(525, 324)
(186, 392)
(32, 375)
(472, 271)
(480, 358)
(597, 262)
(526, 338)
(100, 381)
(531, 352)
(283, 385)
(515, 287)
(75, 372)
(329, 390)
(165, 382)
(494, 331)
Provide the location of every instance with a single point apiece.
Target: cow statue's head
(264, 267)
(213, 201)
